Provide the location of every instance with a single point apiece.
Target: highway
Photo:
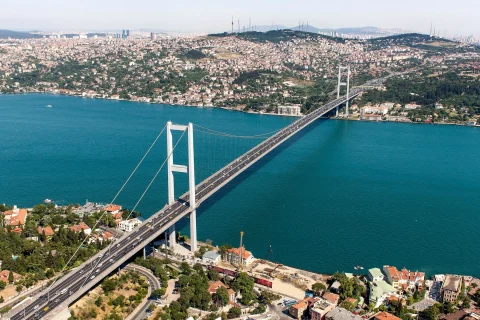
(73, 285)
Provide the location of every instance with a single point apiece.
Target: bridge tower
(340, 83)
(190, 169)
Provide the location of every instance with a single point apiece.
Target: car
(36, 307)
(100, 265)
(100, 255)
(46, 309)
(92, 277)
(98, 270)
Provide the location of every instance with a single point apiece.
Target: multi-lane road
(80, 280)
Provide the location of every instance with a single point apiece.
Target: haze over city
(216, 15)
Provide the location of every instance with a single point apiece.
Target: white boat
(47, 201)
(49, 106)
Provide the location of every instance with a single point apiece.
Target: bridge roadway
(81, 279)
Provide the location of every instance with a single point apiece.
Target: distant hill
(305, 28)
(5, 34)
(275, 35)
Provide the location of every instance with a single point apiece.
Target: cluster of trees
(450, 89)
(194, 54)
(40, 260)
(349, 287)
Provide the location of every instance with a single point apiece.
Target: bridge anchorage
(190, 169)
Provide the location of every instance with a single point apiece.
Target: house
(4, 274)
(412, 106)
(211, 258)
(17, 230)
(213, 286)
(341, 314)
(113, 208)
(15, 217)
(335, 287)
(47, 230)
(298, 309)
(320, 309)
(385, 316)
(451, 288)
(375, 274)
(239, 256)
(379, 291)
(332, 298)
(129, 225)
(81, 226)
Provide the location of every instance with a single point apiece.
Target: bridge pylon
(346, 84)
(190, 169)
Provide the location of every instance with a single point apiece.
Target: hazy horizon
(216, 16)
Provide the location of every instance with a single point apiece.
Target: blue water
(338, 194)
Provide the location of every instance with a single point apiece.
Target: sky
(199, 16)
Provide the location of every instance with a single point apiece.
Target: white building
(289, 110)
(211, 258)
(129, 225)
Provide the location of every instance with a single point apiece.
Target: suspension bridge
(80, 280)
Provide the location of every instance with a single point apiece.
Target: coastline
(229, 109)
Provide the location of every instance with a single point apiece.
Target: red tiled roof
(386, 316)
(237, 251)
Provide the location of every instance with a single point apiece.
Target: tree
(221, 297)
(10, 277)
(234, 312)
(318, 288)
(185, 268)
(108, 285)
(158, 293)
(2, 285)
(347, 305)
(213, 275)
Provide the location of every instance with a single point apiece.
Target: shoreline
(229, 109)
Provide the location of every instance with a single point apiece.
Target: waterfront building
(238, 256)
(451, 288)
(113, 208)
(380, 291)
(129, 225)
(341, 314)
(211, 258)
(15, 217)
(375, 274)
(289, 110)
(405, 279)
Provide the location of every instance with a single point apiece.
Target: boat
(48, 106)
(358, 268)
(47, 201)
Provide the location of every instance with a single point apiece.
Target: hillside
(275, 35)
(5, 34)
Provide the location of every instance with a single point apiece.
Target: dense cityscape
(254, 72)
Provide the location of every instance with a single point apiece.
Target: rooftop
(375, 272)
(342, 314)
